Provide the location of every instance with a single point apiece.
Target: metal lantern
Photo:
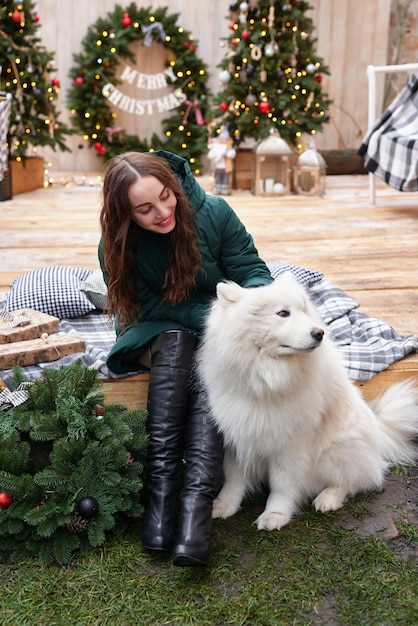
(309, 173)
(272, 174)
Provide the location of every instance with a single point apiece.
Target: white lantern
(272, 175)
(310, 172)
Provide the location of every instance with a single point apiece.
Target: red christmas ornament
(264, 107)
(190, 46)
(17, 17)
(245, 34)
(126, 20)
(318, 78)
(98, 146)
(235, 41)
(79, 80)
(35, 18)
(103, 151)
(232, 26)
(224, 106)
(5, 500)
(55, 82)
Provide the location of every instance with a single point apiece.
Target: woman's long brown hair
(119, 239)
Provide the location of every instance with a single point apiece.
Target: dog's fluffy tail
(397, 411)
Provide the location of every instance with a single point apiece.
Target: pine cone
(77, 524)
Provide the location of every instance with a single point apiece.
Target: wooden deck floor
(369, 251)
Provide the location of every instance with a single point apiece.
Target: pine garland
(70, 467)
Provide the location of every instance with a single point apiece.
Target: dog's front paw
(222, 509)
(272, 520)
(330, 499)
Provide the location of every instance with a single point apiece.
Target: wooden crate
(27, 174)
(6, 186)
(243, 169)
(131, 391)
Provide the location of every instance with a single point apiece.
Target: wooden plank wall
(350, 33)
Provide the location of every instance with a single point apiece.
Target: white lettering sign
(142, 107)
(148, 81)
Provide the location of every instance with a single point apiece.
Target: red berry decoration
(79, 80)
(224, 106)
(126, 20)
(5, 500)
(318, 78)
(245, 34)
(98, 146)
(88, 507)
(264, 107)
(17, 17)
(55, 82)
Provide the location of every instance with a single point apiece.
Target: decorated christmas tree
(271, 76)
(70, 466)
(28, 75)
(107, 67)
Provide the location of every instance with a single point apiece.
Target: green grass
(311, 572)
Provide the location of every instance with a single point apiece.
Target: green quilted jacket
(227, 250)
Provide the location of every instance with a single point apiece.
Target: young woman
(165, 245)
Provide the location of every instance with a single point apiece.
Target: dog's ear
(228, 292)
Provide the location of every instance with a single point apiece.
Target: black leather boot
(168, 400)
(203, 472)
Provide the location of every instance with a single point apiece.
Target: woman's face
(153, 205)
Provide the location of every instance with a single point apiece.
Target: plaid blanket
(367, 345)
(390, 147)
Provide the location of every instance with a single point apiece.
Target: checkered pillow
(94, 287)
(52, 290)
(305, 276)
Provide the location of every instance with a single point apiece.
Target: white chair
(372, 70)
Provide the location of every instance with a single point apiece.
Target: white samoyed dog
(290, 416)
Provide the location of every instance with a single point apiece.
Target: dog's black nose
(317, 334)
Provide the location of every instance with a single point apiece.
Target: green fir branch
(52, 462)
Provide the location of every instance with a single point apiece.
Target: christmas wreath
(94, 81)
(70, 467)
